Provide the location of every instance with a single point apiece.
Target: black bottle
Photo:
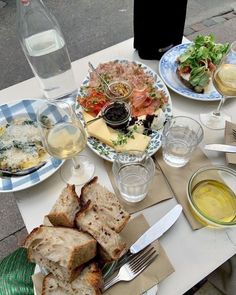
(158, 26)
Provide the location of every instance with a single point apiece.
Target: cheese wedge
(139, 143)
(98, 129)
(107, 135)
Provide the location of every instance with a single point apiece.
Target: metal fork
(125, 258)
(132, 268)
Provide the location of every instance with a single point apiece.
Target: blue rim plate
(167, 70)
(27, 109)
(108, 153)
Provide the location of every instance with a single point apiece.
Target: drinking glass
(181, 135)
(224, 80)
(64, 137)
(133, 172)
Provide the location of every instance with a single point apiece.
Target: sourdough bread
(58, 271)
(89, 220)
(68, 247)
(107, 204)
(89, 282)
(64, 210)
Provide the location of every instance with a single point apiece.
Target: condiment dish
(211, 193)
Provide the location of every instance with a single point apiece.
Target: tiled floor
(12, 230)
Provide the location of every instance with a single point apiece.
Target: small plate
(27, 109)
(108, 153)
(167, 70)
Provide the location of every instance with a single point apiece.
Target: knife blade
(221, 148)
(157, 230)
(152, 234)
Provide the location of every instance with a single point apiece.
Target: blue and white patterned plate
(167, 70)
(106, 152)
(26, 109)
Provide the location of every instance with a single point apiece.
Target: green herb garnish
(29, 122)
(122, 138)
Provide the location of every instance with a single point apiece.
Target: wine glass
(64, 137)
(224, 80)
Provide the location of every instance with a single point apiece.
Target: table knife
(221, 148)
(152, 234)
(157, 230)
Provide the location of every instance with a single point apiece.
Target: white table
(194, 254)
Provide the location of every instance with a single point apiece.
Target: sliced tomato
(94, 102)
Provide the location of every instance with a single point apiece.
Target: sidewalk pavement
(222, 26)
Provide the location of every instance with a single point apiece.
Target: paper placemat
(178, 180)
(230, 139)
(152, 275)
(159, 191)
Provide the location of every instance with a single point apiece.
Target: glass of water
(181, 135)
(134, 172)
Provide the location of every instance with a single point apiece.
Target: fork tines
(138, 264)
(133, 267)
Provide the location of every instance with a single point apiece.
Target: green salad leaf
(199, 55)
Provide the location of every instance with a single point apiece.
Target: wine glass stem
(217, 111)
(75, 164)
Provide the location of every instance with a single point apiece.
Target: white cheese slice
(107, 135)
(98, 129)
(139, 143)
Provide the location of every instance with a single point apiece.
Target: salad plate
(108, 153)
(167, 69)
(8, 113)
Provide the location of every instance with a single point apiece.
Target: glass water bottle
(45, 49)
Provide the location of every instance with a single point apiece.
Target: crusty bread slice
(68, 247)
(64, 210)
(58, 271)
(89, 282)
(108, 206)
(89, 221)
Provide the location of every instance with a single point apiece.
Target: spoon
(8, 173)
(95, 119)
(113, 85)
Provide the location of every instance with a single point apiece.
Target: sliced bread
(89, 282)
(68, 247)
(64, 210)
(88, 220)
(108, 206)
(49, 266)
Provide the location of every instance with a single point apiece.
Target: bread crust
(89, 221)
(106, 203)
(58, 271)
(90, 278)
(64, 210)
(83, 189)
(46, 239)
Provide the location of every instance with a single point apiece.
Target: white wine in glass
(64, 137)
(224, 80)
